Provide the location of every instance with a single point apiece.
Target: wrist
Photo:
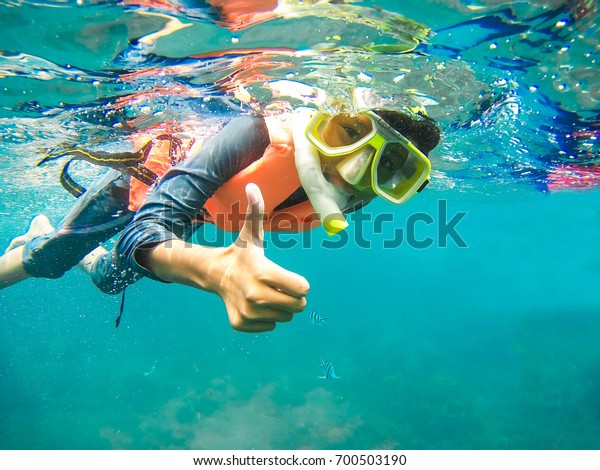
(185, 263)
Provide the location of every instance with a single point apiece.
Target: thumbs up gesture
(257, 292)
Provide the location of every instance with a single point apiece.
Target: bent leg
(97, 216)
(40, 225)
(11, 263)
(11, 268)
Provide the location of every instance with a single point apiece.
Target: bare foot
(40, 225)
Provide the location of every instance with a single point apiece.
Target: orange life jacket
(274, 173)
(162, 152)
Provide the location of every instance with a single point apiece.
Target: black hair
(421, 131)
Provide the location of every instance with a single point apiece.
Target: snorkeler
(295, 171)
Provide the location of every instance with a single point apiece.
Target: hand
(257, 292)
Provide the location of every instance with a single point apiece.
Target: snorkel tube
(323, 196)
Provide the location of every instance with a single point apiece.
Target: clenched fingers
(282, 280)
(265, 296)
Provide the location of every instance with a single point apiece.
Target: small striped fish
(328, 370)
(315, 319)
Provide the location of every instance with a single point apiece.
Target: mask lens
(399, 171)
(347, 130)
(341, 134)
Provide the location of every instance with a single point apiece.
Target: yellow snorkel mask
(398, 168)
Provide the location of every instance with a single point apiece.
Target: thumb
(252, 230)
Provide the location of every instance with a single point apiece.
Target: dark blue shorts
(98, 215)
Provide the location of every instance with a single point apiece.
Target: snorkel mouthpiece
(323, 196)
(332, 224)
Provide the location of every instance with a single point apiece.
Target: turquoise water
(489, 346)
